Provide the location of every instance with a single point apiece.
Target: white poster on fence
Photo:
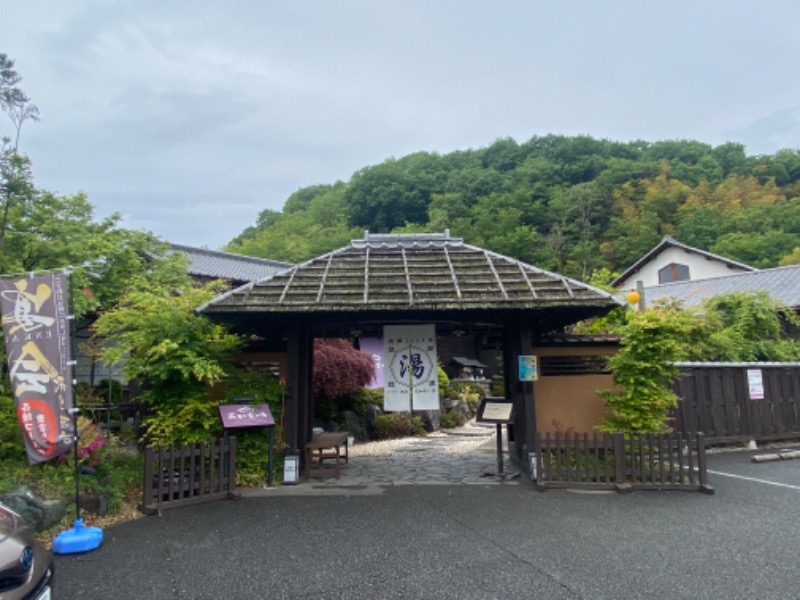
(409, 358)
(755, 384)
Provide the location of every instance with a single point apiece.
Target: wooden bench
(330, 445)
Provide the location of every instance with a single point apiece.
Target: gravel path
(463, 440)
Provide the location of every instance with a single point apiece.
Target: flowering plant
(92, 445)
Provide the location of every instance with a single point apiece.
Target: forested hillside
(575, 205)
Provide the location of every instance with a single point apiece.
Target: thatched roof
(412, 273)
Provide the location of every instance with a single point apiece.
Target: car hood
(15, 536)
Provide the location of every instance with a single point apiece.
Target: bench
(329, 445)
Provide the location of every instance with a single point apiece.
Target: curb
(773, 457)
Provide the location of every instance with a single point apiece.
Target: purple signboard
(244, 415)
(374, 347)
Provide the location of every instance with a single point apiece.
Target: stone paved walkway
(463, 456)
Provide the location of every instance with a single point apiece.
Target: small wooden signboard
(237, 416)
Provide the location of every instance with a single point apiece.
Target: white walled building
(672, 261)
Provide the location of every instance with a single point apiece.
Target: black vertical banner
(36, 333)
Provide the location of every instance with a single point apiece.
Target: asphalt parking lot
(464, 541)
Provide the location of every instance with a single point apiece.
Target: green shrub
(189, 416)
(444, 380)
(469, 393)
(93, 447)
(396, 425)
(452, 418)
(120, 475)
(252, 446)
(252, 457)
(357, 401)
(11, 444)
(326, 408)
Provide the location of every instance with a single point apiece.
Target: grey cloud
(169, 111)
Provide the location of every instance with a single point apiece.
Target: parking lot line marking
(755, 479)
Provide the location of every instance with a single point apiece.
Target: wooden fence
(727, 404)
(620, 462)
(189, 474)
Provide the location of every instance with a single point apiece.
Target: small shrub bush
(452, 418)
(396, 425)
(252, 446)
(444, 380)
(11, 445)
(471, 394)
(93, 446)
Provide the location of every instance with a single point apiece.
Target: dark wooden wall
(716, 401)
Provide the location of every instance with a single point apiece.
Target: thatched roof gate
(387, 279)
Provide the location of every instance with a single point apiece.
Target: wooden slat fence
(716, 400)
(189, 474)
(621, 462)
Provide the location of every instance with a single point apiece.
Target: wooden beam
(452, 272)
(408, 277)
(517, 341)
(496, 274)
(366, 276)
(324, 278)
(298, 406)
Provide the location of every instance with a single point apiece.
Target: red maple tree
(339, 368)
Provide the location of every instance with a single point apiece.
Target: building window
(673, 272)
(551, 366)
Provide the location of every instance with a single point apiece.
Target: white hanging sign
(410, 378)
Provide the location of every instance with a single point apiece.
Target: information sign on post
(495, 410)
(237, 416)
(528, 368)
(501, 412)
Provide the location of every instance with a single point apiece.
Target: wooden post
(499, 449)
(619, 463)
(517, 342)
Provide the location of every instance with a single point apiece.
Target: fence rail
(189, 474)
(620, 462)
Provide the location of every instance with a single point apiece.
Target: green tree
(395, 192)
(14, 169)
(737, 327)
(644, 368)
(793, 258)
(160, 340)
(573, 204)
(748, 326)
(760, 250)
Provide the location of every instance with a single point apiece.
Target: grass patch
(119, 476)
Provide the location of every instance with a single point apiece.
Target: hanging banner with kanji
(409, 358)
(37, 346)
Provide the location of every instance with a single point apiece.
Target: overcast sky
(190, 117)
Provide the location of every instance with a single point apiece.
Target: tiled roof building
(236, 268)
